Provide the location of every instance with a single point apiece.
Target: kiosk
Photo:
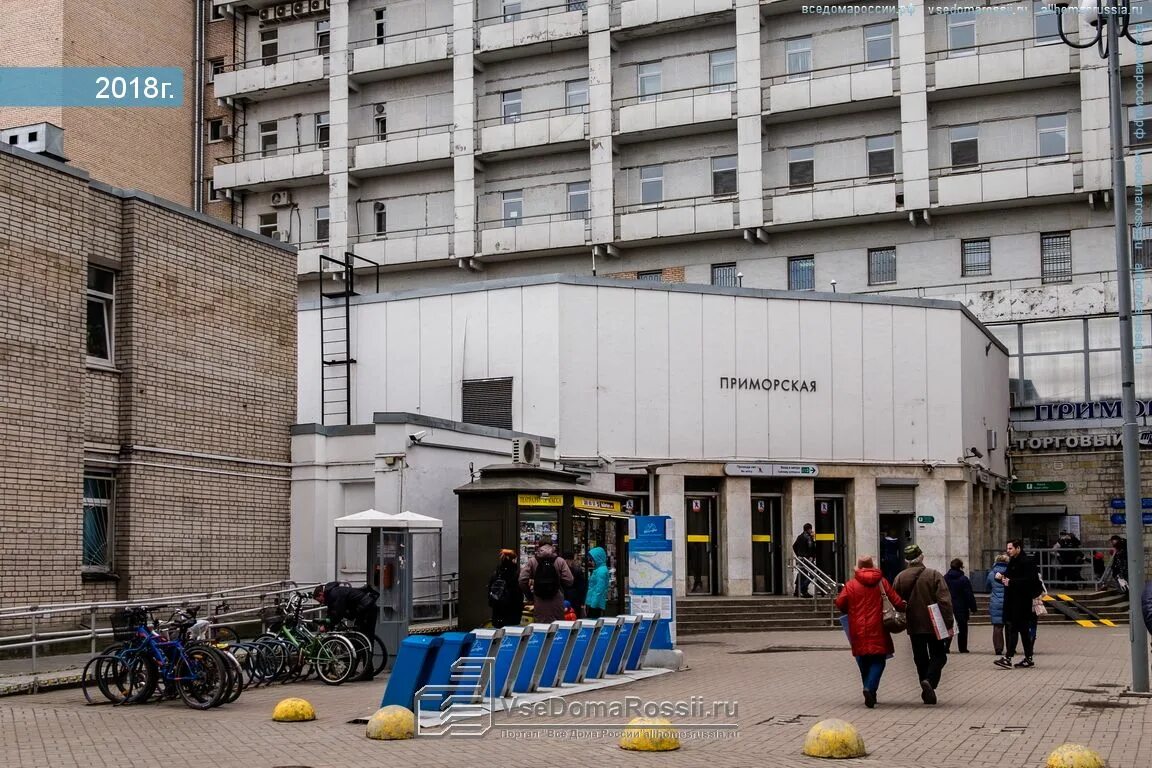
(400, 557)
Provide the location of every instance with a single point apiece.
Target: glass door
(767, 563)
(830, 543)
(700, 517)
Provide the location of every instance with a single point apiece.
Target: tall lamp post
(1110, 20)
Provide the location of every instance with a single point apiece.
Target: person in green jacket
(597, 598)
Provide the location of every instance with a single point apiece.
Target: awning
(371, 518)
(1041, 509)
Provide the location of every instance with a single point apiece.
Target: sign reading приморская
(768, 385)
(1097, 409)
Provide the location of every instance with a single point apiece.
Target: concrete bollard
(650, 734)
(834, 738)
(1074, 756)
(391, 723)
(293, 711)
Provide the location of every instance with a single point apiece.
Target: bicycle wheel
(379, 655)
(335, 659)
(224, 634)
(363, 646)
(100, 674)
(201, 677)
(236, 677)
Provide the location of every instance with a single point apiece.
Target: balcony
(274, 77)
(557, 27)
(254, 5)
(570, 229)
(675, 113)
(638, 13)
(565, 125)
(427, 244)
(678, 218)
(402, 55)
(401, 150)
(1018, 179)
(1007, 66)
(835, 199)
(285, 166)
(835, 89)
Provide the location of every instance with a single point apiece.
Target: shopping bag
(844, 623)
(939, 628)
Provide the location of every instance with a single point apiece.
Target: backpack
(497, 590)
(546, 581)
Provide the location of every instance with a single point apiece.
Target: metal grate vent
(488, 402)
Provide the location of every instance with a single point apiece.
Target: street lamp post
(1111, 25)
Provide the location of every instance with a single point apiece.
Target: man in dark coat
(357, 604)
(804, 548)
(1021, 586)
(579, 588)
(921, 587)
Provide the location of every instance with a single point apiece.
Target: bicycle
(333, 657)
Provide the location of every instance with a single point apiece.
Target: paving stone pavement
(986, 716)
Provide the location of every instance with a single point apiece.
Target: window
(962, 33)
(510, 103)
(269, 46)
(722, 69)
(878, 45)
(1056, 258)
(1139, 126)
(965, 141)
(577, 5)
(651, 184)
(381, 121)
(881, 156)
(801, 161)
(1046, 21)
(218, 13)
(798, 58)
(802, 273)
(487, 402)
(881, 266)
(380, 216)
(268, 225)
(1052, 135)
(724, 176)
(213, 193)
(98, 521)
(654, 275)
(724, 275)
(216, 129)
(578, 201)
(321, 223)
(381, 25)
(576, 96)
(215, 67)
(322, 130)
(1141, 248)
(648, 81)
(101, 295)
(513, 202)
(323, 37)
(268, 137)
(511, 10)
(975, 257)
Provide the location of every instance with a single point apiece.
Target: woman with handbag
(1022, 603)
(874, 610)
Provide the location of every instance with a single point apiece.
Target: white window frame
(380, 25)
(218, 124)
(1041, 9)
(107, 502)
(107, 302)
(885, 33)
(215, 67)
(269, 38)
(798, 58)
(217, 13)
(651, 176)
(213, 193)
(509, 99)
(953, 140)
(955, 26)
(876, 145)
(511, 10)
(1061, 130)
(322, 130)
(512, 207)
(725, 164)
(646, 72)
(380, 122)
(323, 37)
(576, 96)
(576, 191)
(380, 218)
(326, 218)
(267, 224)
(721, 64)
(798, 155)
(266, 133)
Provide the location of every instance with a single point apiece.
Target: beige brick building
(150, 361)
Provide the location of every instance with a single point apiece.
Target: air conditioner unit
(281, 198)
(281, 235)
(381, 109)
(525, 451)
(315, 6)
(268, 14)
(284, 11)
(226, 131)
(300, 8)
(327, 4)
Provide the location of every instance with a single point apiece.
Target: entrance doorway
(897, 530)
(830, 537)
(701, 530)
(767, 560)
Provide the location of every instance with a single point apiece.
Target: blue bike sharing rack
(412, 669)
(559, 654)
(509, 657)
(646, 633)
(587, 632)
(455, 645)
(623, 645)
(605, 644)
(472, 674)
(535, 658)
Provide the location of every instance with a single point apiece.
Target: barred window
(724, 274)
(881, 266)
(802, 273)
(97, 533)
(975, 258)
(1056, 258)
(654, 275)
(1141, 247)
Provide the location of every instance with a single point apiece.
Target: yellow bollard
(1074, 756)
(390, 723)
(834, 738)
(650, 734)
(293, 711)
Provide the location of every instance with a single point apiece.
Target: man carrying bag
(930, 619)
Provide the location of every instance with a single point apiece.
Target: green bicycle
(333, 657)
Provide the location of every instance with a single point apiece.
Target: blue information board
(652, 574)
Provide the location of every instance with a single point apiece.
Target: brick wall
(193, 417)
(667, 275)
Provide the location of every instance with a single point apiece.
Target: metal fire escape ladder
(337, 287)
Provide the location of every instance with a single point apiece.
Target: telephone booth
(400, 557)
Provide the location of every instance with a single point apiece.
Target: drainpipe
(198, 109)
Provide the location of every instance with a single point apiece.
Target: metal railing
(278, 58)
(375, 138)
(532, 13)
(542, 218)
(678, 93)
(286, 151)
(1004, 165)
(401, 37)
(402, 234)
(889, 65)
(679, 202)
(823, 586)
(1002, 46)
(1064, 569)
(537, 114)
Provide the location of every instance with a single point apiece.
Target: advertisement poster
(651, 573)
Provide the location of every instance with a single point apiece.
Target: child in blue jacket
(597, 598)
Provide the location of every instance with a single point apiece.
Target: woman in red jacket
(871, 643)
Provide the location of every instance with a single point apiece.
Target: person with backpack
(862, 599)
(543, 580)
(597, 598)
(504, 596)
(579, 588)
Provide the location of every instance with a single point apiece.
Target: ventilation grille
(488, 402)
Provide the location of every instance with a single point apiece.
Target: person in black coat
(504, 596)
(1146, 606)
(357, 604)
(963, 602)
(1021, 586)
(579, 589)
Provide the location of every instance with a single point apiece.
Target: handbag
(895, 622)
(1038, 607)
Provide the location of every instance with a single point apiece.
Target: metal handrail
(890, 64)
(678, 202)
(278, 58)
(536, 114)
(539, 218)
(400, 37)
(285, 151)
(678, 93)
(531, 13)
(374, 138)
(1061, 576)
(823, 585)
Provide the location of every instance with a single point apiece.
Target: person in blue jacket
(596, 599)
(996, 605)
